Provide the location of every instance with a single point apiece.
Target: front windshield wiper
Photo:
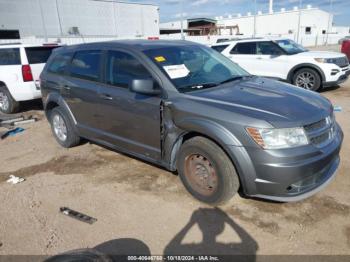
(234, 78)
(198, 86)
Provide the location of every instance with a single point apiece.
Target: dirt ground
(141, 208)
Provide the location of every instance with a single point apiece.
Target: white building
(309, 26)
(88, 18)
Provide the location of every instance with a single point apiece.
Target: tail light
(27, 73)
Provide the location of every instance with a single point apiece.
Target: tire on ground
(314, 73)
(72, 138)
(228, 181)
(13, 105)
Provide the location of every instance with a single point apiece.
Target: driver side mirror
(145, 87)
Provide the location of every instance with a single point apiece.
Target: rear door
(37, 57)
(128, 120)
(244, 54)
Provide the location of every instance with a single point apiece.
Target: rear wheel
(7, 104)
(206, 171)
(62, 128)
(307, 78)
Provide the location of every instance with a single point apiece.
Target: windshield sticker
(160, 59)
(176, 71)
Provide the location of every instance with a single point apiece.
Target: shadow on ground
(210, 221)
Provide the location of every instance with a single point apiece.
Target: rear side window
(86, 65)
(10, 56)
(122, 68)
(38, 55)
(59, 63)
(219, 48)
(248, 48)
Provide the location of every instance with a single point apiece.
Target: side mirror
(144, 86)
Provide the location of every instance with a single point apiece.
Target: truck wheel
(62, 128)
(206, 171)
(7, 104)
(307, 78)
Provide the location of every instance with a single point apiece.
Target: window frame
(16, 49)
(240, 43)
(100, 67)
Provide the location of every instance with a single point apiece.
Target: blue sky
(171, 9)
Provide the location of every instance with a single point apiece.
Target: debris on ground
(337, 108)
(77, 215)
(15, 180)
(11, 132)
(16, 120)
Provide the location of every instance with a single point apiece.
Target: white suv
(285, 60)
(20, 68)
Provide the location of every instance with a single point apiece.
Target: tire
(8, 105)
(206, 157)
(62, 128)
(307, 78)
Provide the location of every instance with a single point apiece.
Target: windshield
(290, 46)
(193, 67)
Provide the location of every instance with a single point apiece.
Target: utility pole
(329, 27)
(254, 26)
(299, 19)
(43, 21)
(59, 18)
(182, 14)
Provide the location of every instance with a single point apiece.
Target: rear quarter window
(220, 48)
(10, 56)
(59, 63)
(38, 55)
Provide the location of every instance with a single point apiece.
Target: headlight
(326, 60)
(273, 138)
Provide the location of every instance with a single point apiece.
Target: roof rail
(14, 43)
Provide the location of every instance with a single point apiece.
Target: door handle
(106, 96)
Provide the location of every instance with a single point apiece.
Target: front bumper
(289, 174)
(340, 79)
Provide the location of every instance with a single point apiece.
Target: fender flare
(309, 65)
(58, 99)
(207, 128)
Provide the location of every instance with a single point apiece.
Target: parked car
(20, 67)
(345, 48)
(189, 109)
(285, 60)
(341, 40)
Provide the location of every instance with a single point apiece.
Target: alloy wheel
(4, 101)
(59, 127)
(305, 80)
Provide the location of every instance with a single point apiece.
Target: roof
(138, 44)
(202, 19)
(256, 39)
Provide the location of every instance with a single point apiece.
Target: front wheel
(307, 78)
(206, 171)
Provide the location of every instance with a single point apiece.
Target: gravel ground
(142, 208)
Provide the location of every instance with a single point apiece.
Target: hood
(280, 104)
(320, 54)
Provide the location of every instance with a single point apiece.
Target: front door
(129, 120)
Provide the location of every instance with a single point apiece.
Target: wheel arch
(54, 100)
(305, 65)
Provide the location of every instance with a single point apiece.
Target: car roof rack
(14, 43)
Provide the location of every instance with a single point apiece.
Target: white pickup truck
(20, 68)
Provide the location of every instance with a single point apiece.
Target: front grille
(322, 132)
(341, 61)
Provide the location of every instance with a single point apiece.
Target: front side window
(86, 65)
(122, 68)
(39, 55)
(10, 56)
(290, 46)
(268, 48)
(248, 48)
(194, 67)
(59, 63)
